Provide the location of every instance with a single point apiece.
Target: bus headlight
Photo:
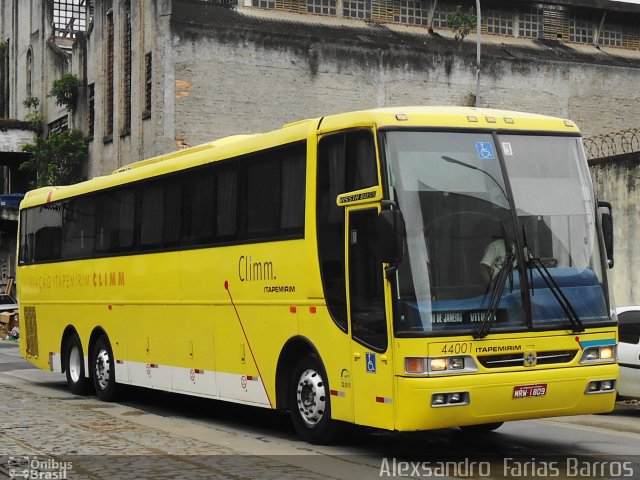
(602, 354)
(439, 365)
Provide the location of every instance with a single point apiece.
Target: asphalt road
(151, 434)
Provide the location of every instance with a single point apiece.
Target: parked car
(629, 351)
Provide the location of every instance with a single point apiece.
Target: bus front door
(372, 364)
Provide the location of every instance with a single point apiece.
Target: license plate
(524, 391)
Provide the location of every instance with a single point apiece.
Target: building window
(70, 16)
(357, 9)
(531, 24)
(109, 78)
(126, 73)
(322, 7)
(29, 71)
(413, 12)
(147, 86)
(59, 125)
(4, 79)
(580, 30)
(264, 3)
(92, 110)
(611, 36)
(499, 23)
(442, 14)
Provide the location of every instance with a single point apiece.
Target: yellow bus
(402, 268)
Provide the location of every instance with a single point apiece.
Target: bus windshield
(461, 234)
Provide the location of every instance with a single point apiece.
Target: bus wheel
(310, 402)
(104, 375)
(77, 381)
(485, 427)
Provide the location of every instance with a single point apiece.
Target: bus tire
(104, 374)
(310, 403)
(485, 427)
(77, 380)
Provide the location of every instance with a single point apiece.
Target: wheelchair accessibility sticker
(485, 150)
(371, 362)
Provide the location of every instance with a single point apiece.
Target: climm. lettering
(108, 279)
(250, 271)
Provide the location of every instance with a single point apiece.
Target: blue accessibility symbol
(485, 150)
(371, 362)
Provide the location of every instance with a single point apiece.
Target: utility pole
(478, 44)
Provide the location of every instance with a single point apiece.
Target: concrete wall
(230, 80)
(618, 181)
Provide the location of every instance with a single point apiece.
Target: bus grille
(517, 359)
(31, 334)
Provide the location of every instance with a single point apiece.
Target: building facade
(159, 75)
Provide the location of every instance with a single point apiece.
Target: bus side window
(48, 232)
(78, 227)
(346, 162)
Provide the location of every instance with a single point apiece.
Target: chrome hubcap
(311, 397)
(75, 364)
(103, 369)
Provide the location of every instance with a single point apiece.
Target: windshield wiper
(496, 296)
(535, 262)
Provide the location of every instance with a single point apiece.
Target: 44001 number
(458, 348)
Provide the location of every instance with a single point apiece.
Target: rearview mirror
(391, 233)
(606, 220)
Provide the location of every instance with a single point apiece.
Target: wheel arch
(68, 332)
(295, 348)
(95, 335)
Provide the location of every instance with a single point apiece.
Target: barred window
(413, 12)
(126, 74)
(499, 23)
(109, 78)
(580, 29)
(92, 109)
(442, 14)
(147, 85)
(29, 71)
(264, 3)
(59, 125)
(322, 7)
(611, 36)
(357, 9)
(70, 16)
(531, 24)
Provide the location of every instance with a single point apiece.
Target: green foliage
(3, 47)
(65, 89)
(462, 22)
(56, 160)
(31, 102)
(36, 120)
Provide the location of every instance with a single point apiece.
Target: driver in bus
(492, 260)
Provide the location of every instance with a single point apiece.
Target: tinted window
(227, 203)
(114, 220)
(629, 327)
(172, 212)
(263, 194)
(47, 232)
(199, 207)
(78, 228)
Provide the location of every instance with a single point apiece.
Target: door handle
(356, 356)
(383, 358)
